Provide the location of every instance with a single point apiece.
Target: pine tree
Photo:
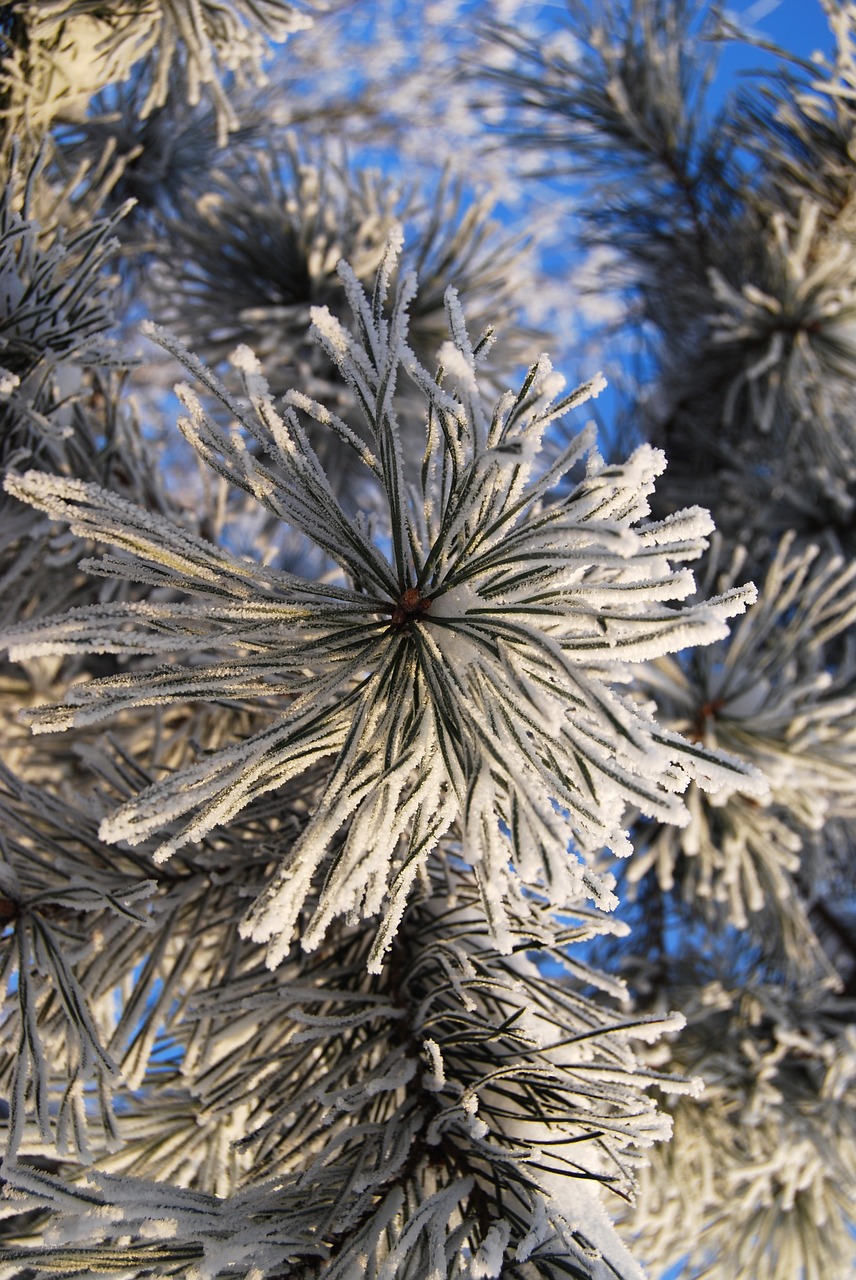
(426, 844)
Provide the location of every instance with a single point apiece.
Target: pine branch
(465, 678)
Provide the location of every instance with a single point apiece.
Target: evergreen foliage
(426, 845)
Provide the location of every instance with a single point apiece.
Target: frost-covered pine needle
(460, 1105)
(459, 671)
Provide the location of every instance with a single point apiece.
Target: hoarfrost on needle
(457, 677)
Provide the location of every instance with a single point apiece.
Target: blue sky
(799, 26)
